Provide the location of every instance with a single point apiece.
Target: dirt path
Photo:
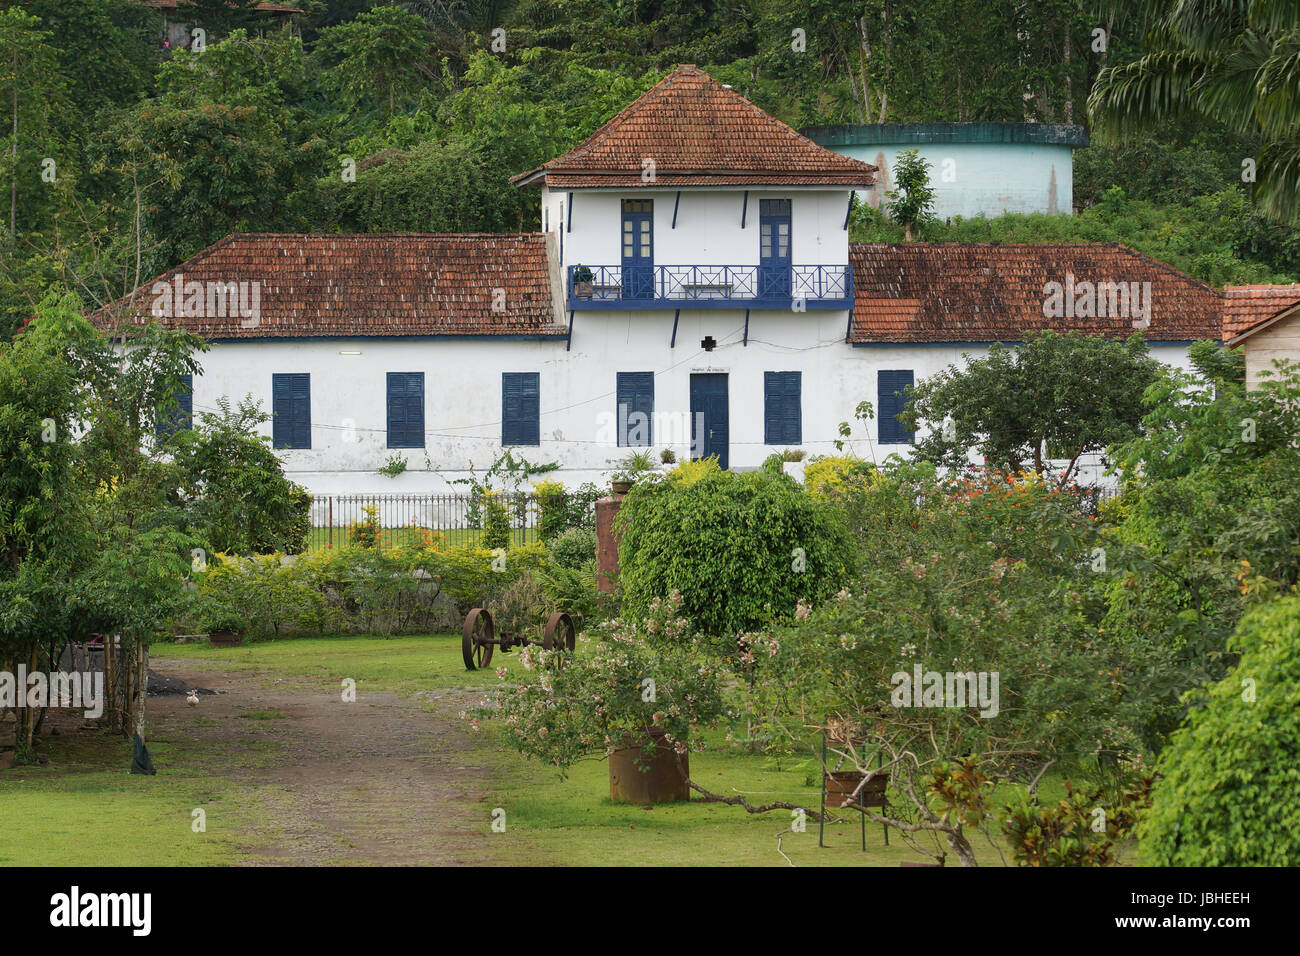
(375, 782)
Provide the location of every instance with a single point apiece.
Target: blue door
(709, 418)
(638, 249)
(774, 248)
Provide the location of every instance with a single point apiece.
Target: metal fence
(415, 519)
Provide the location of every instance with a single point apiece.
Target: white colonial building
(693, 288)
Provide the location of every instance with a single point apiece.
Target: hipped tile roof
(1247, 306)
(697, 132)
(366, 285)
(975, 292)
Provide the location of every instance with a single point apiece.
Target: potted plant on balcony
(583, 282)
(223, 624)
(632, 467)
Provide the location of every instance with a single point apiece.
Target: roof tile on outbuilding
(920, 292)
(1247, 306)
(697, 132)
(366, 285)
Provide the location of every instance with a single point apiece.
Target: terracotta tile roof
(1248, 306)
(263, 7)
(698, 133)
(978, 292)
(366, 285)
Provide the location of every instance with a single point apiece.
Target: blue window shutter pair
(405, 409)
(180, 417)
(291, 410)
(782, 408)
(635, 394)
(520, 408)
(892, 400)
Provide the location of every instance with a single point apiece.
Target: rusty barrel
(640, 776)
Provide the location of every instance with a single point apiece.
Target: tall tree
(1236, 61)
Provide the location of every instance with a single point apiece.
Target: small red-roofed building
(1265, 321)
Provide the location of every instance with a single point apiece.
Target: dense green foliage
(741, 549)
(384, 117)
(239, 498)
(1053, 397)
(1229, 777)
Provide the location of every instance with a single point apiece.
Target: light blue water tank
(975, 168)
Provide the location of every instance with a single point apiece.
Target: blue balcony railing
(710, 287)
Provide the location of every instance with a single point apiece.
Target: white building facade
(693, 288)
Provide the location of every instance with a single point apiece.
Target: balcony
(709, 287)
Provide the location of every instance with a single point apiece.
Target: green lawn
(80, 805)
(85, 807)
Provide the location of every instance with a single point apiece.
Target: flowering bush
(989, 578)
(633, 679)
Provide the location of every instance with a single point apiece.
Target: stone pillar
(607, 542)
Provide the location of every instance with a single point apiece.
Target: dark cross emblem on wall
(708, 343)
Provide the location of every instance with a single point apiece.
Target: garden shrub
(689, 472)
(595, 699)
(1225, 795)
(520, 606)
(366, 532)
(743, 550)
(574, 590)
(496, 520)
(574, 548)
(827, 477)
(364, 590)
(552, 508)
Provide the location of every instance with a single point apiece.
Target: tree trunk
(141, 689)
(961, 846)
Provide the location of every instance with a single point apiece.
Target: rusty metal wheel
(560, 632)
(475, 639)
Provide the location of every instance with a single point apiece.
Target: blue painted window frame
(638, 268)
(405, 409)
(181, 417)
(890, 385)
(635, 392)
(521, 408)
(291, 410)
(782, 408)
(775, 270)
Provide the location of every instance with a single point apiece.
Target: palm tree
(1235, 61)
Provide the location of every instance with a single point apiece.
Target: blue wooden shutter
(291, 410)
(520, 408)
(890, 387)
(182, 416)
(405, 409)
(782, 408)
(635, 395)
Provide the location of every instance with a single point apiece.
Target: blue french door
(638, 249)
(709, 416)
(774, 248)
